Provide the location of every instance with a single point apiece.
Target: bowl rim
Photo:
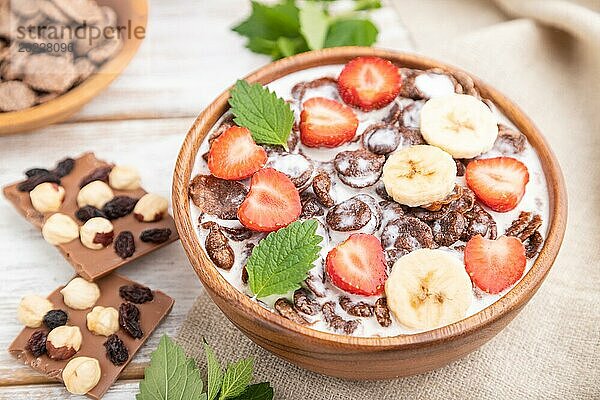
(70, 102)
(219, 286)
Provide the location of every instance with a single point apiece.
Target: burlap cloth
(545, 55)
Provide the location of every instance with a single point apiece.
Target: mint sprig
(281, 261)
(290, 27)
(268, 117)
(171, 375)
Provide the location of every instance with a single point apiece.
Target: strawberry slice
(234, 155)
(369, 83)
(358, 265)
(272, 202)
(494, 265)
(326, 123)
(498, 182)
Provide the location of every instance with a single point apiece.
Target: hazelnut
(32, 309)
(63, 342)
(47, 197)
(96, 233)
(80, 294)
(96, 193)
(103, 321)
(150, 208)
(59, 229)
(81, 374)
(124, 178)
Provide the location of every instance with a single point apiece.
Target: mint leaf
(269, 118)
(258, 391)
(351, 32)
(215, 374)
(364, 5)
(314, 24)
(171, 375)
(282, 260)
(236, 378)
(271, 22)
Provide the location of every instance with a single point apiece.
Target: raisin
(136, 293)
(125, 245)
(382, 312)
(304, 302)
(99, 174)
(36, 171)
(119, 206)
(32, 182)
(86, 213)
(155, 235)
(37, 343)
(129, 319)
(64, 167)
(286, 309)
(116, 351)
(55, 318)
(360, 309)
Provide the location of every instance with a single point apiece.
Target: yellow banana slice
(460, 124)
(419, 175)
(428, 289)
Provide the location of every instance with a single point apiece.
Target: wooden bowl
(69, 103)
(355, 357)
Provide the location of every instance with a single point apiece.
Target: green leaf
(351, 32)
(236, 378)
(258, 391)
(364, 5)
(313, 25)
(268, 117)
(271, 22)
(282, 260)
(171, 375)
(215, 373)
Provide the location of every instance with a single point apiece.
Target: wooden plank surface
(189, 56)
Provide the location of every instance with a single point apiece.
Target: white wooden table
(189, 56)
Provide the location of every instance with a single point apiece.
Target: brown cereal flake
(322, 188)
(310, 206)
(304, 302)
(456, 194)
(382, 312)
(359, 168)
(286, 309)
(509, 141)
(449, 229)
(408, 234)
(216, 196)
(350, 215)
(533, 244)
(335, 321)
(360, 309)
(218, 248)
(479, 222)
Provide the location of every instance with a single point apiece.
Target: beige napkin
(545, 55)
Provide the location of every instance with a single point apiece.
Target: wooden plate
(354, 357)
(72, 101)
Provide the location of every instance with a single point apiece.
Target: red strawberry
(498, 182)
(326, 123)
(494, 265)
(234, 155)
(358, 265)
(369, 83)
(272, 202)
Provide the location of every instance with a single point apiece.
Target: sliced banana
(419, 175)
(428, 289)
(459, 124)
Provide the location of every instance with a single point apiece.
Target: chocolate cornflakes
(359, 168)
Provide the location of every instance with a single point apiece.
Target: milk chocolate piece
(92, 264)
(151, 314)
